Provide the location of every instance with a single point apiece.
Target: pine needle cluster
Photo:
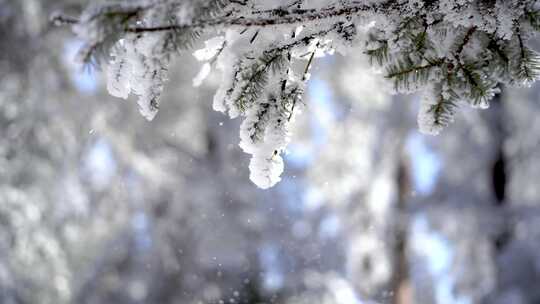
(469, 61)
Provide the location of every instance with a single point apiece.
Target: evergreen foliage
(458, 51)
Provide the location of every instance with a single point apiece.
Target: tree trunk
(401, 285)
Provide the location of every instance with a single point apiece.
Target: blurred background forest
(97, 205)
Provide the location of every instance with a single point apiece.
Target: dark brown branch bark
(277, 17)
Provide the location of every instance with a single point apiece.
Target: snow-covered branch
(459, 50)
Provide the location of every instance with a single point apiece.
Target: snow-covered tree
(99, 206)
(457, 52)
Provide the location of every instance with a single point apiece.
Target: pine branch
(275, 60)
(260, 123)
(405, 72)
(290, 98)
(256, 77)
(380, 54)
(178, 40)
(534, 19)
(500, 54)
(465, 40)
(420, 41)
(278, 16)
(527, 69)
(480, 88)
(295, 94)
(437, 108)
(444, 109)
(111, 20)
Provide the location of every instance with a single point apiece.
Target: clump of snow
(139, 67)
(202, 75)
(426, 117)
(211, 49)
(264, 134)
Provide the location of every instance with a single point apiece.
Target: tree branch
(277, 16)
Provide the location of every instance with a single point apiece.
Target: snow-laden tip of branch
(264, 134)
(138, 67)
(265, 170)
(437, 109)
(427, 122)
